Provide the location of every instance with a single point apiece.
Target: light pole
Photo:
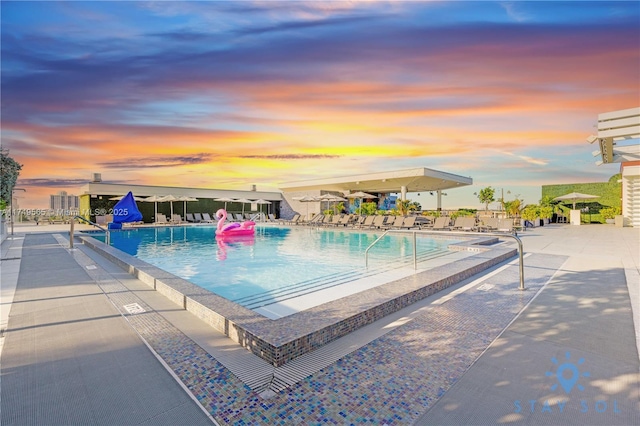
(12, 212)
(502, 198)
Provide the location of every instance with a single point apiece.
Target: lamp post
(12, 212)
(502, 198)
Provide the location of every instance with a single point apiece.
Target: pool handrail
(415, 261)
(71, 229)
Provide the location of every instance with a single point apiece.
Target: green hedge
(610, 193)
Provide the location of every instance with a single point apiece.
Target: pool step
(300, 289)
(333, 278)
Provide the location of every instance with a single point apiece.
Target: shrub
(531, 212)
(610, 212)
(367, 209)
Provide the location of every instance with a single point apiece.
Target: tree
(9, 172)
(486, 196)
(513, 207)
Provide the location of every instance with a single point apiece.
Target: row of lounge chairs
(443, 223)
(355, 221)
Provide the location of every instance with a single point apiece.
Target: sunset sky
(229, 94)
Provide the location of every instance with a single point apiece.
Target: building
(618, 140)
(98, 197)
(63, 201)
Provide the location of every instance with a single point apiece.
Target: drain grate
(134, 308)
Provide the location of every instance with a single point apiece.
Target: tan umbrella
(307, 199)
(243, 201)
(331, 198)
(170, 199)
(261, 202)
(153, 199)
(225, 200)
(184, 199)
(122, 196)
(576, 196)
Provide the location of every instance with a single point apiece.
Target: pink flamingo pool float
(234, 228)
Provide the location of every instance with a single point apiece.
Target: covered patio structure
(379, 184)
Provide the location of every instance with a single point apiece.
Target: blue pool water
(276, 262)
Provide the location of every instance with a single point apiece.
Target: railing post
(469, 233)
(71, 233)
(415, 252)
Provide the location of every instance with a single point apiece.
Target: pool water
(277, 263)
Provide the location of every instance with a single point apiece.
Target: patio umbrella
(576, 196)
(261, 202)
(170, 199)
(331, 198)
(307, 199)
(360, 195)
(243, 201)
(122, 196)
(153, 199)
(225, 200)
(184, 199)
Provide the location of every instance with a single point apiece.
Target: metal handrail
(71, 229)
(492, 234)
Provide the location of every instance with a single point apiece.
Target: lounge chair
(378, 222)
(189, 217)
(505, 225)
(395, 222)
(469, 224)
(344, 220)
(207, 218)
(198, 217)
(441, 223)
(489, 224)
(239, 217)
(315, 220)
(459, 222)
(409, 222)
(271, 217)
(160, 218)
(176, 219)
(294, 220)
(326, 220)
(368, 222)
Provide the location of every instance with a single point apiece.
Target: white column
(403, 193)
(439, 192)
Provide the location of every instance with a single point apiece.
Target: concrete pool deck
(476, 353)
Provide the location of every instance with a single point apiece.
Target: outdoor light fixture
(596, 153)
(592, 139)
(599, 163)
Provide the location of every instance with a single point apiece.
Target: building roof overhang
(617, 131)
(414, 180)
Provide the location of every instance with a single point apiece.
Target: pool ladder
(415, 256)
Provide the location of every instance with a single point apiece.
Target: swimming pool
(284, 330)
(278, 264)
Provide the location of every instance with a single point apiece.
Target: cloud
(291, 156)
(157, 161)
